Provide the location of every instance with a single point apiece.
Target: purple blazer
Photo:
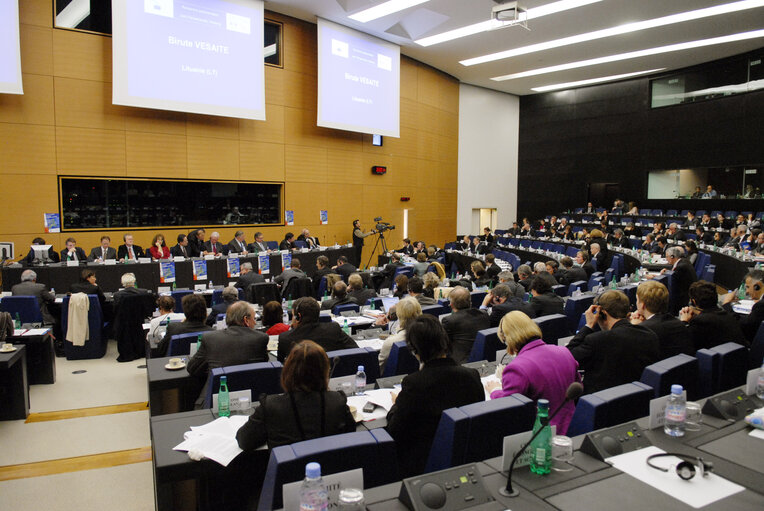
(542, 371)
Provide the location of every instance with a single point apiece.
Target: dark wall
(609, 134)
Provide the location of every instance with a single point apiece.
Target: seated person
(339, 297)
(195, 312)
(158, 325)
(652, 312)
(416, 291)
(158, 248)
(502, 301)
(525, 277)
(619, 352)
(508, 279)
(479, 276)
(343, 268)
(129, 250)
(389, 270)
(407, 247)
(305, 325)
(439, 385)
(307, 410)
(406, 311)
(288, 242)
(431, 282)
(553, 269)
(259, 245)
(181, 248)
(132, 306)
(356, 290)
(754, 288)
(465, 244)
(213, 246)
(238, 245)
(30, 287)
(491, 268)
(632, 230)
(247, 277)
(238, 344)
(572, 273)
(52, 254)
(539, 370)
(322, 270)
(421, 265)
(72, 252)
(273, 315)
(87, 285)
(310, 241)
(401, 286)
(544, 301)
(294, 272)
(487, 236)
(582, 258)
(463, 324)
(230, 296)
(103, 251)
(709, 324)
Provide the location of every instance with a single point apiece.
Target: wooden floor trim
(87, 412)
(64, 465)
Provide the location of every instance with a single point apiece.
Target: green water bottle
(541, 447)
(346, 327)
(198, 342)
(373, 305)
(613, 283)
(17, 322)
(224, 401)
(173, 286)
(289, 302)
(741, 292)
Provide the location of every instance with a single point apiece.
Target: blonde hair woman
(407, 309)
(539, 371)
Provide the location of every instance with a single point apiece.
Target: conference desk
(14, 386)
(59, 276)
(40, 355)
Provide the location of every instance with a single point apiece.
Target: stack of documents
(215, 440)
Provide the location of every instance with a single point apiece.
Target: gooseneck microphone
(335, 363)
(575, 389)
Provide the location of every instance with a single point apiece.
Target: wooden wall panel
(68, 126)
(27, 149)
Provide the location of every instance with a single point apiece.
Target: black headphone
(686, 468)
(757, 287)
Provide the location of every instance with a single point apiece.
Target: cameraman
(358, 236)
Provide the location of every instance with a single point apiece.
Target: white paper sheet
(36, 331)
(216, 440)
(360, 401)
(490, 379)
(697, 492)
(757, 433)
(375, 344)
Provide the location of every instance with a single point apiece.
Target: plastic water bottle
(741, 292)
(676, 411)
(541, 447)
(210, 285)
(346, 327)
(760, 383)
(313, 494)
(224, 402)
(360, 381)
(198, 342)
(17, 322)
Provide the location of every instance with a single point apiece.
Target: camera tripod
(381, 237)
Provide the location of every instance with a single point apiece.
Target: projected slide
(200, 56)
(358, 81)
(10, 55)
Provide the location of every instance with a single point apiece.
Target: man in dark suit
(597, 256)
(29, 287)
(305, 325)
(288, 242)
(238, 344)
(52, 254)
(230, 295)
(572, 273)
(290, 273)
(72, 252)
(407, 247)
(238, 245)
(462, 324)
(339, 297)
(322, 270)
(544, 300)
(128, 249)
(102, 252)
(674, 233)
(416, 291)
(501, 301)
(709, 324)
(649, 243)
(619, 352)
(196, 241)
(131, 308)
(619, 239)
(388, 272)
(683, 276)
(213, 246)
(754, 287)
(344, 268)
(492, 269)
(247, 277)
(181, 249)
(553, 269)
(652, 312)
(258, 245)
(310, 241)
(195, 310)
(356, 290)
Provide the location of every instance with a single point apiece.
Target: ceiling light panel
(384, 9)
(590, 81)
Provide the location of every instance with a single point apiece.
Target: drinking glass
(562, 453)
(693, 416)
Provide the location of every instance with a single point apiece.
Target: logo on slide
(340, 48)
(158, 7)
(236, 23)
(384, 62)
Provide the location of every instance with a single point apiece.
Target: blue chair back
(181, 344)
(325, 317)
(595, 279)
(400, 360)
(630, 290)
(26, 307)
(373, 451)
(579, 284)
(574, 307)
(709, 273)
(610, 407)
(217, 297)
(571, 251)
(559, 290)
(722, 367)
(405, 270)
(339, 309)
(435, 310)
(477, 297)
(350, 359)
(476, 432)
(486, 345)
(756, 353)
(681, 369)
(178, 297)
(260, 378)
(300, 244)
(553, 326)
(671, 212)
(321, 288)
(95, 346)
(272, 245)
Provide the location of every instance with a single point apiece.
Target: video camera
(383, 226)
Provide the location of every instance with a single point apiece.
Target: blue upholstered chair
(681, 369)
(350, 359)
(611, 406)
(553, 326)
(26, 307)
(722, 367)
(486, 345)
(95, 345)
(260, 378)
(400, 360)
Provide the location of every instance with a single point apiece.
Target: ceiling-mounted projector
(509, 13)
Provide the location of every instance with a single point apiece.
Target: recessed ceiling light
(570, 85)
(619, 30)
(484, 26)
(635, 54)
(383, 9)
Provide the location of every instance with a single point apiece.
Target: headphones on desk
(685, 469)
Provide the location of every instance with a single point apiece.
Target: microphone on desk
(575, 389)
(335, 363)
